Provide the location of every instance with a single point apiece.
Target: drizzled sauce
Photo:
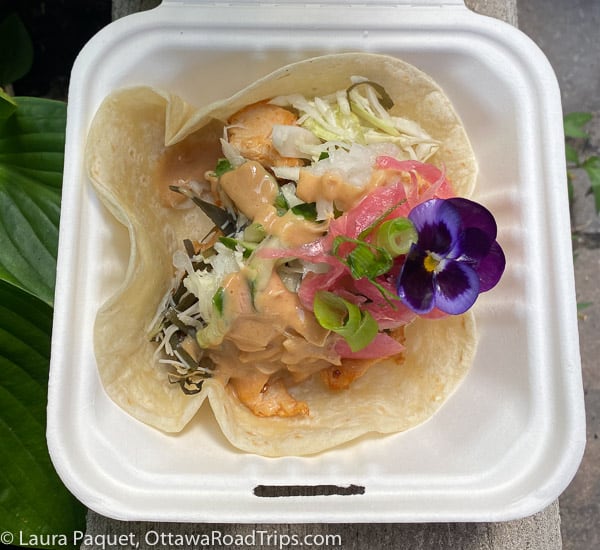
(332, 187)
(254, 191)
(185, 161)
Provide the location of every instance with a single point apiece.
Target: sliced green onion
(308, 210)
(396, 236)
(254, 233)
(229, 242)
(281, 204)
(365, 260)
(232, 244)
(357, 327)
(368, 230)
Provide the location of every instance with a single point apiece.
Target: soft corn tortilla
(129, 133)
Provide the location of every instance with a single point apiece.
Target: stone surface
(500, 9)
(567, 32)
(580, 502)
(121, 8)
(538, 532)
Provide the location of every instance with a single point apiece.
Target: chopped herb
(229, 242)
(364, 260)
(223, 165)
(281, 204)
(233, 244)
(308, 210)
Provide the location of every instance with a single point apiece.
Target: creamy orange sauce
(264, 338)
(333, 187)
(185, 161)
(253, 190)
(271, 339)
(269, 336)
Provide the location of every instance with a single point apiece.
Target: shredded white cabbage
(355, 165)
(204, 283)
(289, 193)
(294, 141)
(354, 117)
(231, 153)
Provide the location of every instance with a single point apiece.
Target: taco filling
(318, 249)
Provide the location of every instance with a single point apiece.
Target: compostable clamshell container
(510, 438)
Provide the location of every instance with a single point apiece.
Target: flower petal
(490, 269)
(438, 224)
(475, 215)
(474, 245)
(456, 287)
(415, 284)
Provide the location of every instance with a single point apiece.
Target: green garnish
(217, 300)
(396, 236)
(357, 327)
(233, 244)
(281, 204)
(254, 233)
(223, 165)
(365, 259)
(308, 210)
(229, 242)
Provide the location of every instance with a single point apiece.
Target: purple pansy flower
(455, 258)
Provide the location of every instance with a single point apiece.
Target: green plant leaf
(16, 49)
(33, 500)
(7, 105)
(574, 123)
(31, 162)
(571, 154)
(592, 169)
(570, 188)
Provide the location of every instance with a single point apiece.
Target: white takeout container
(507, 442)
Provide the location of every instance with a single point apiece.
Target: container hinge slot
(318, 3)
(279, 491)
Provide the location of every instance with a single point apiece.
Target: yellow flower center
(430, 262)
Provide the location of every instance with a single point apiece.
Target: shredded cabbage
(204, 283)
(353, 116)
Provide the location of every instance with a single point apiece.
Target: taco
(276, 254)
